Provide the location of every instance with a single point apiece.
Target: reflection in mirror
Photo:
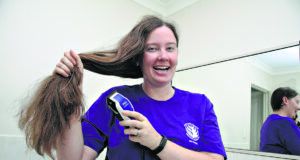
(283, 66)
(240, 90)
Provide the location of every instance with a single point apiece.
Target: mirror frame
(294, 44)
(250, 54)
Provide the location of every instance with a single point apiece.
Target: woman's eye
(171, 49)
(151, 49)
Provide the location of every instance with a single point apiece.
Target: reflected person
(279, 133)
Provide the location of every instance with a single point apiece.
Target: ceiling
(280, 61)
(165, 7)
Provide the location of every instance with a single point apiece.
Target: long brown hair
(46, 118)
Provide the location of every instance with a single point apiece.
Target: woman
(168, 123)
(279, 133)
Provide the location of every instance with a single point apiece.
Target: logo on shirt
(192, 131)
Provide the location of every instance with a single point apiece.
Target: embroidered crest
(192, 131)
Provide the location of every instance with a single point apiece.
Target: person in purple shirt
(167, 123)
(279, 133)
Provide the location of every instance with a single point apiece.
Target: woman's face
(292, 106)
(160, 57)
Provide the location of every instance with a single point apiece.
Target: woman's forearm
(173, 151)
(70, 145)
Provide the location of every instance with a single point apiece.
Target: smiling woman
(160, 60)
(168, 123)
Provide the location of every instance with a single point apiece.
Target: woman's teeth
(161, 68)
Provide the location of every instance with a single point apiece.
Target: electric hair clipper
(116, 102)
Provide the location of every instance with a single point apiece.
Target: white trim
(12, 136)
(264, 154)
(165, 7)
(220, 60)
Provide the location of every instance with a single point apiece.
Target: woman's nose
(163, 55)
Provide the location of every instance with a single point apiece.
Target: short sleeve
(96, 124)
(291, 137)
(211, 140)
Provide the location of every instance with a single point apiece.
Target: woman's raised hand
(67, 62)
(140, 130)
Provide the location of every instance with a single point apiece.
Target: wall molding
(263, 154)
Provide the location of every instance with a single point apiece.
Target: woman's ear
(284, 100)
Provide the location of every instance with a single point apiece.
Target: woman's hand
(67, 62)
(140, 130)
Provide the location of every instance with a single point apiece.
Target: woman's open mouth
(161, 68)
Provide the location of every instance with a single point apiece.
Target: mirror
(240, 90)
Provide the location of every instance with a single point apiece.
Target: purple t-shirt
(280, 135)
(187, 119)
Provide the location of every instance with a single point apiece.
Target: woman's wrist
(161, 145)
(155, 142)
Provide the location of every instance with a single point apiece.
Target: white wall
(290, 80)
(35, 33)
(213, 29)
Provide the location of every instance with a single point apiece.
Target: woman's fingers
(67, 64)
(77, 60)
(134, 114)
(64, 67)
(132, 124)
(68, 55)
(140, 130)
(60, 71)
(132, 131)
